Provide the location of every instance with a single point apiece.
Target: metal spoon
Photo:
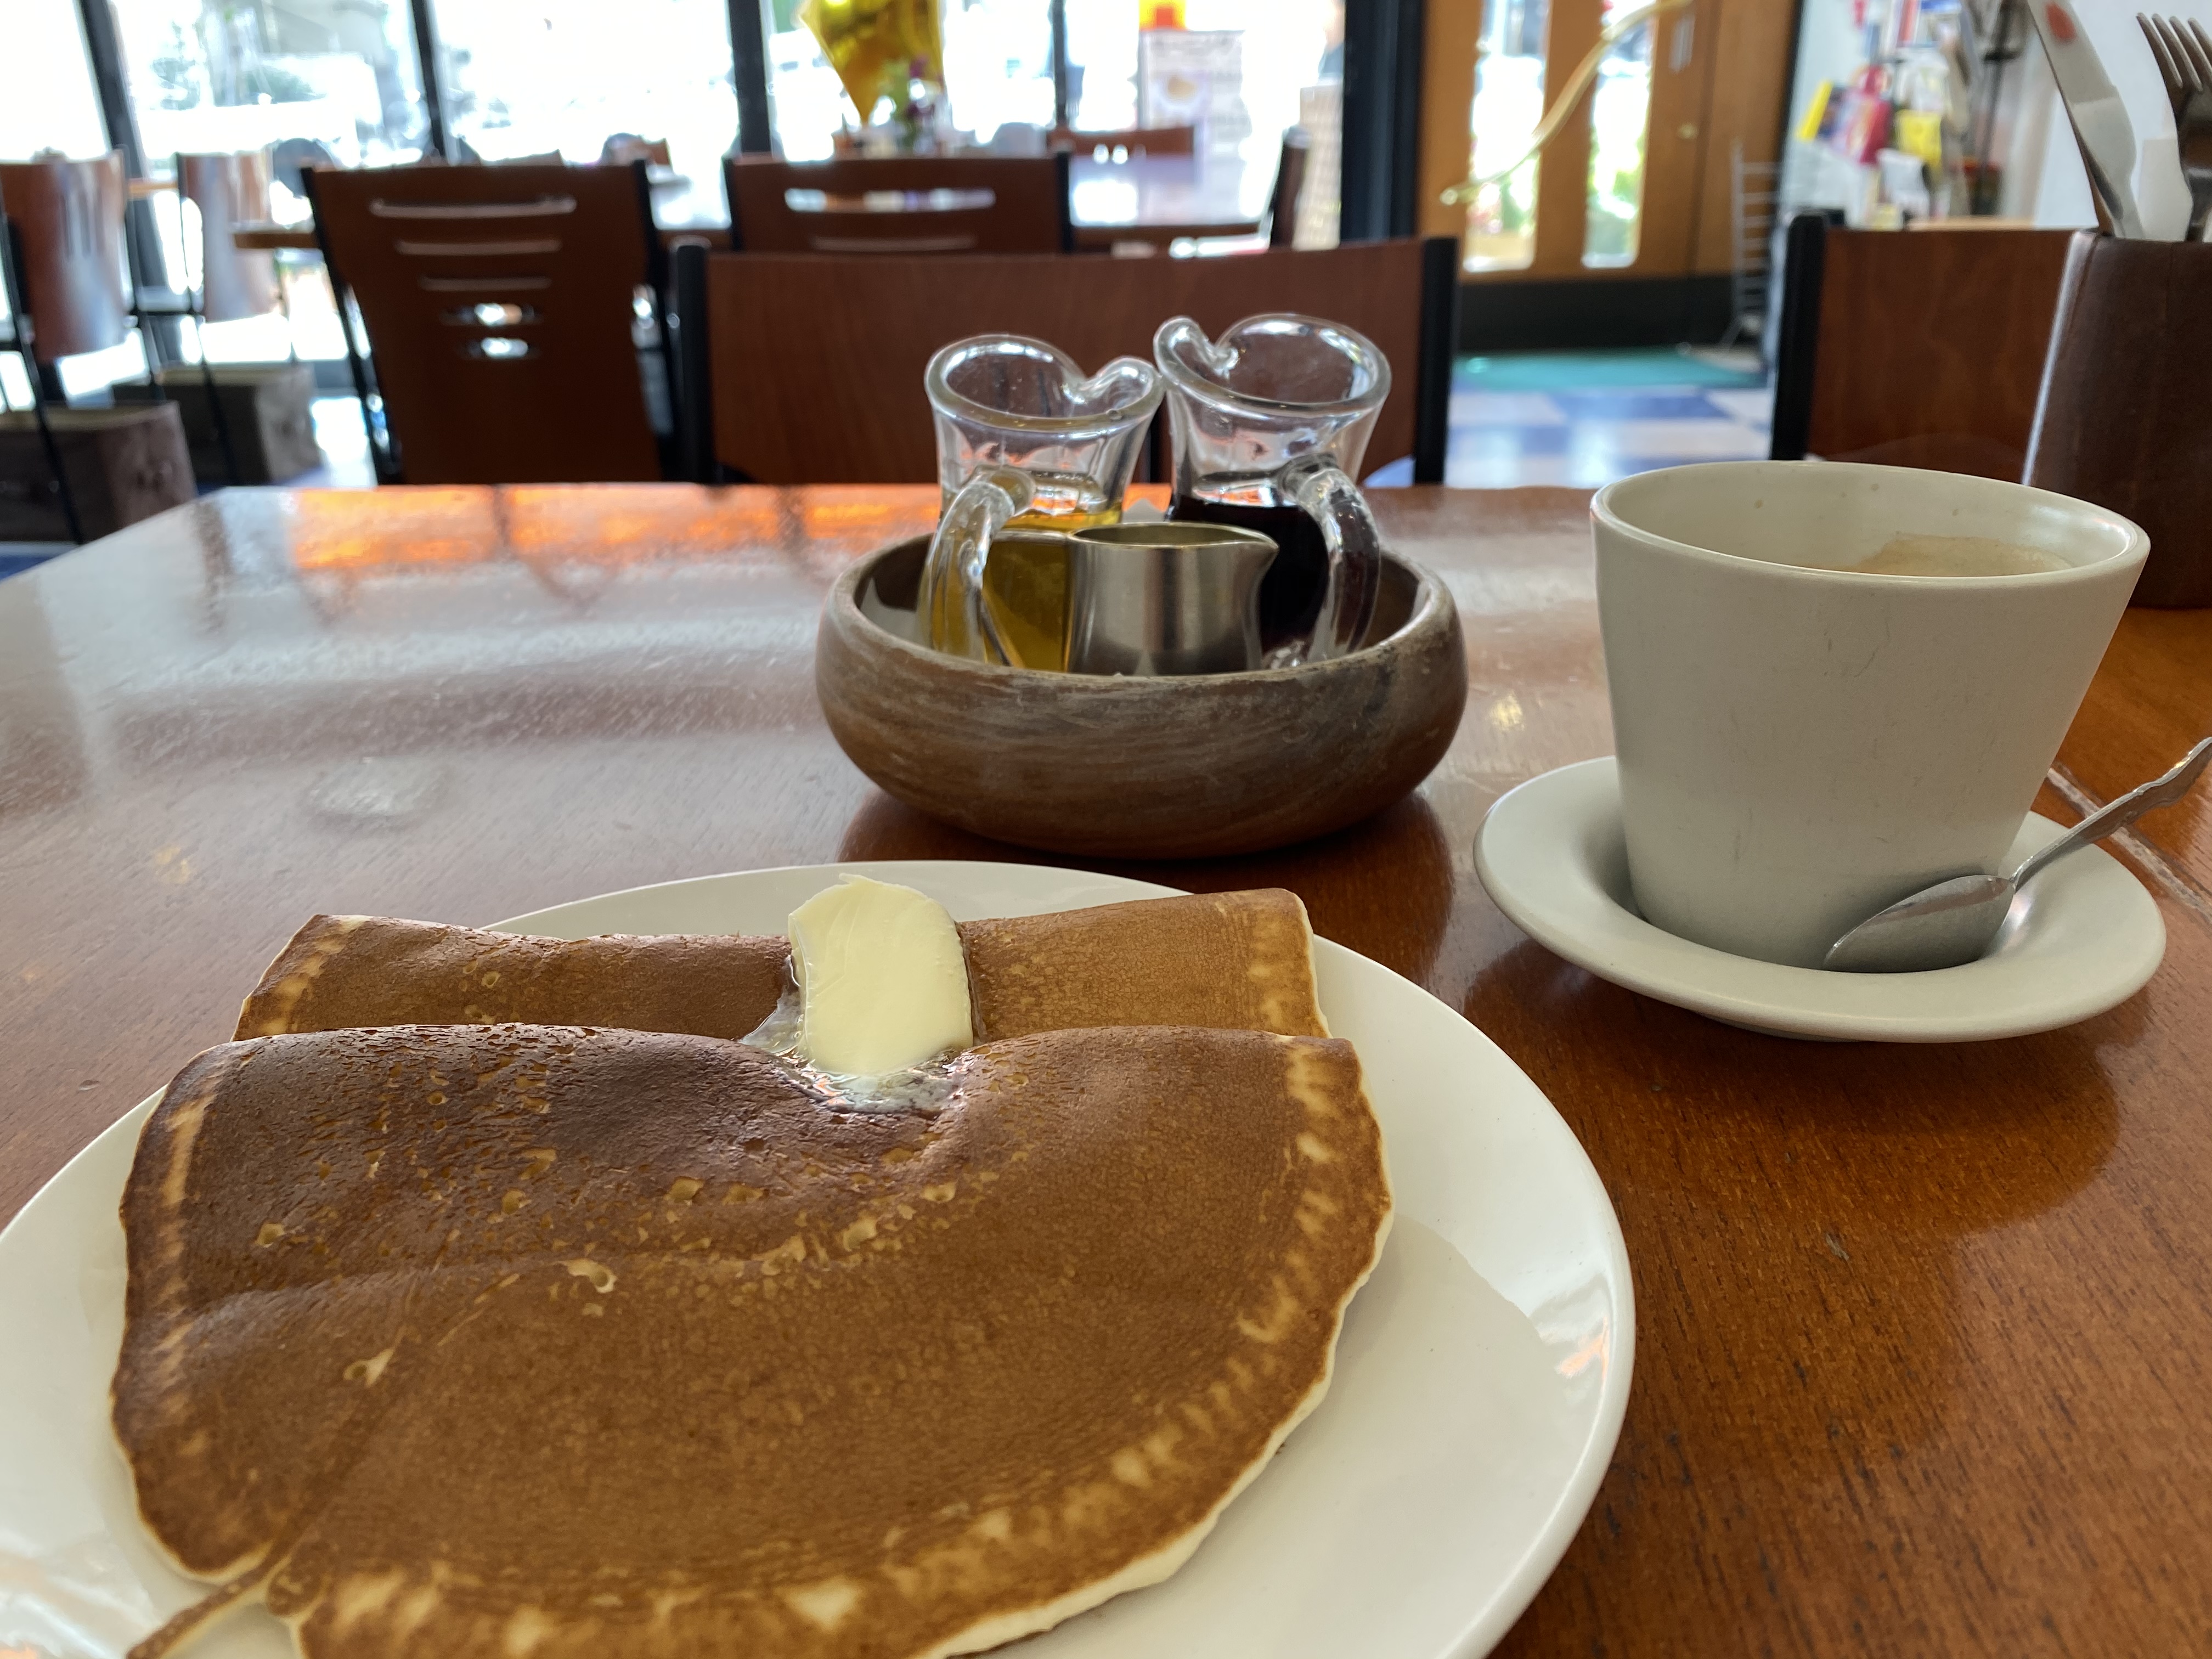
(1955, 921)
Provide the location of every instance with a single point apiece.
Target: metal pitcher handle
(1355, 546)
(954, 616)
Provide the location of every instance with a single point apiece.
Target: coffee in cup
(1834, 684)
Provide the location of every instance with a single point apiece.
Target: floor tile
(1470, 409)
(1485, 442)
(1640, 404)
(1752, 405)
(1708, 440)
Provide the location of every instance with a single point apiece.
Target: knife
(2099, 119)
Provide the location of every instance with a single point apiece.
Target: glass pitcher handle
(955, 618)
(1355, 546)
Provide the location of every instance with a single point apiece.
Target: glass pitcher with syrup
(1270, 423)
(1028, 452)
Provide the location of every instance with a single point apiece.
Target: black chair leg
(216, 412)
(1439, 340)
(52, 446)
(694, 389)
(1797, 336)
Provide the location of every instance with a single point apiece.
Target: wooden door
(1711, 73)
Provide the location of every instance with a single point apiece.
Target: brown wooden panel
(1750, 83)
(1563, 181)
(818, 361)
(1449, 30)
(1931, 346)
(69, 222)
(1683, 52)
(234, 281)
(1025, 214)
(422, 246)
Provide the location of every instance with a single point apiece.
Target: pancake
(533, 1342)
(1235, 961)
(376, 970)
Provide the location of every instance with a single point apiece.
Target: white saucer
(2085, 937)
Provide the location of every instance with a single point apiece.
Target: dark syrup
(1292, 590)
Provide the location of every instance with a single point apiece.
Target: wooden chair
(64, 268)
(1920, 348)
(500, 304)
(809, 370)
(953, 204)
(68, 217)
(1129, 140)
(235, 283)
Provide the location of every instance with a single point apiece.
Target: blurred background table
(1922, 1333)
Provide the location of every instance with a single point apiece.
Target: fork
(2184, 64)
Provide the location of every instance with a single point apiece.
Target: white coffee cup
(1800, 744)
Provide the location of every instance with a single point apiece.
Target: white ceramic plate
(2084, 936)
(1478, 1389)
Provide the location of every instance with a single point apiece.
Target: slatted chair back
(903, 204)
(1921, 348)
(67, 225)
(809, 370)
(1128, 141)
(235, 283)
(500, 304)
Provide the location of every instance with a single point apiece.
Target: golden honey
(1025, 579)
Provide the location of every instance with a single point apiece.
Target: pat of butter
(882, 981)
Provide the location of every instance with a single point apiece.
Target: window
(208, 76)
(1508, 102)
(50, 103)
(1621, 108)
(561, 77)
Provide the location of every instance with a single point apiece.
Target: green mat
(1580, 371)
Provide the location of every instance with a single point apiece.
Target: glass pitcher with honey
(1270, 423)
(1028, 452)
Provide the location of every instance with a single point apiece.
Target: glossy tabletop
(1923, 1333)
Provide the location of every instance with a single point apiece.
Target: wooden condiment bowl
(1114, 767)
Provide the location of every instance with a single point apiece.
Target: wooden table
(1922, 1331)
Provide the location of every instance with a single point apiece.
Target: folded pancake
(529, 1342)
(1235, 961)
(376, 970)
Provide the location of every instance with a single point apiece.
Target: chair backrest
(1289, 181)
(1134, 141)
(811, 367)
(500, 304)
(67, 219)
(922, 205)
(1919, 347)
(230, 190)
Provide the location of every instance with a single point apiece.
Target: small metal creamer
(1165, 599)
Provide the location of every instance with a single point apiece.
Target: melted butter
(926, 1088)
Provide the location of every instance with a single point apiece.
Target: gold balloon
(863, 39)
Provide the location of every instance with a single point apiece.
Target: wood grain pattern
(423, 248)
(68, 221)
(1923, 1333)
(1111, 766)
(1931, 347)
(1749, 44)
(1023, 208)
(2123, 422)
(818, 361)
